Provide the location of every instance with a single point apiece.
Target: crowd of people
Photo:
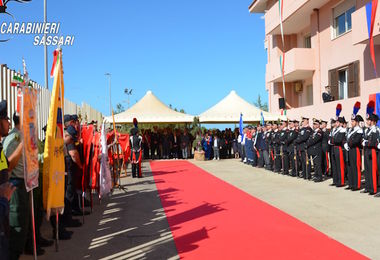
(167, 143)
(291, 148)
(16, 235)
(318, 152)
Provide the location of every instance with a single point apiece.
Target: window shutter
(333, 83)
(357, 78)
(353, 80)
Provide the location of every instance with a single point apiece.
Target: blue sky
(189, 53)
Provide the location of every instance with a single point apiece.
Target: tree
(260, 104)
(182, 111)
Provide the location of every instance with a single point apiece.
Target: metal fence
(9, 93)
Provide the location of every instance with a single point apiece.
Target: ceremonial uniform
(353, 146)
(292, 149)
(261, 146)
(371, 137)
(268, 150)
(269, 140)
(302, 138)
(314, 149)
(284, 135)
(277, 151)
(325, 152)
(338, 140)
(135, 142)
(333, 164)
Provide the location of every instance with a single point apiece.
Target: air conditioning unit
(298, 86)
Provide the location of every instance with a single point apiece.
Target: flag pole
(56, 230)
(45, 48)
(33, 226)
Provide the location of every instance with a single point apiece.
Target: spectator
(326, 96)
(216, 147)
(185, 140)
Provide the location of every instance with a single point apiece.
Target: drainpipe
(319, 57)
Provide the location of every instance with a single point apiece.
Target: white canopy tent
(150, 109)
(228, 110)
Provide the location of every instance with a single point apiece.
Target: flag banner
(105, 181)
(241, 127)
(376, 99)
(371, 8)
(95, 165)
(30, 137)
(87, 134)
(262, 118)
(54, 162)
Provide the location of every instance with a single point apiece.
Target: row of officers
(299, 150)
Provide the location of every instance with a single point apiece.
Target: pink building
(326, 43)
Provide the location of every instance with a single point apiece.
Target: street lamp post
(128, 92)
(45, 48)
(109, 77)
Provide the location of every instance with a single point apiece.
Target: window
(344, 81)
(307, 43)
(342, 84)
(342, 17)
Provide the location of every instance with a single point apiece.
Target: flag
(262, 118)
(105, 181)
(54, 162)
(56, 61)
(282, 58)
(29, 131)
(376, 99)
(1, 2)
(241, 126)
(371, 8)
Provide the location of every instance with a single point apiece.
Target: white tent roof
(229, 108)
(150, 109)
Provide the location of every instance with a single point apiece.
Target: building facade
(326, 43)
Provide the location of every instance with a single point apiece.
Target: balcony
(296, 16)
(359, 27)
(299, 65)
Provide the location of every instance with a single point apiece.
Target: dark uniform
(269, 141)
(338, 140)
(354, 147)
(333, 167)
(277, 151)
(135, 141)
(284, 135)
(371, 137)
(302, 138)
(314, 150)
(325, 152)
(292, 149)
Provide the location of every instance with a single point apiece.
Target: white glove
(346, 147)
(378, 146)
(364, 142)
(329, 142)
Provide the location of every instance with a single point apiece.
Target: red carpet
(211, 219)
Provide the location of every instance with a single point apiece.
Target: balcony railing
(299, 65)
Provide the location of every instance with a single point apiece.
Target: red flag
(1, 2)
(371, 44)
(95, 162)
